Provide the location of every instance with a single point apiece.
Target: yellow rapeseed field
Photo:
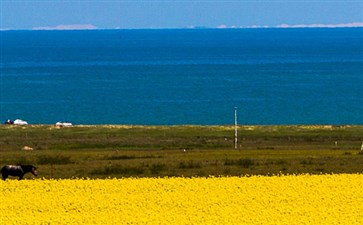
(290, 199)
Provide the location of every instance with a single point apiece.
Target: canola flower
(290, 199)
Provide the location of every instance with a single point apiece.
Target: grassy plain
(156, 151)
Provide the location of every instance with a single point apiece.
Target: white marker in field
(235, 128)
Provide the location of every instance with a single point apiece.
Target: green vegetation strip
(102, 151)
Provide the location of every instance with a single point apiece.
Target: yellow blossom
(292, 199)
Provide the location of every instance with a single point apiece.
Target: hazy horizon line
(222, 26)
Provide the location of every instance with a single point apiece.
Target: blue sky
(109, 14)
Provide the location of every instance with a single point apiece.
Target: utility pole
(235, 129)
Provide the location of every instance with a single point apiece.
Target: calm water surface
(165, 77)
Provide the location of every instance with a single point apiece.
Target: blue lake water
(186, 76)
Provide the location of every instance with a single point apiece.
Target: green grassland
(158, 151)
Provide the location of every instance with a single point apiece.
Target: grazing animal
(17, 171)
